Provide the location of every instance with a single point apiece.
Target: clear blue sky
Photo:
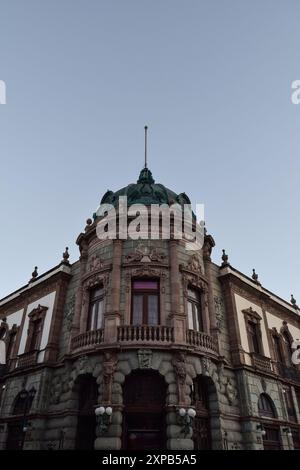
(212, 79)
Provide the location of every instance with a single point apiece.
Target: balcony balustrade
(262, 363)
(290, 373)
(202, 341)
(27, 359)
(141, 334)
(87, 339)
(152, 335)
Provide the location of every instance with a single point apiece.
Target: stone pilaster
(177, 318)
(112, 318)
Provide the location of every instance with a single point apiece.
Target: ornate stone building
(145, 332)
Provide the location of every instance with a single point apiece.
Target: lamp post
(28, 397)
(186, 418)
(103, 418)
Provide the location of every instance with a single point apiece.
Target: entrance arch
(87, 392)
(144, 426)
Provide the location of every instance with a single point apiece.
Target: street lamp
(103, 418)
(186, 418)
(27, 397)
(261, 429)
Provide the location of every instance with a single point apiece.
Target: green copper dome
(146, 192)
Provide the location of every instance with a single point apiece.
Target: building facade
(147, 333)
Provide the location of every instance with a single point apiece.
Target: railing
(89, 338)
(28, 359)
(145, 334)
(261, 362)
(201, 341)
(288, 372)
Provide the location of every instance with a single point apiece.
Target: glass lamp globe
(182, 412)
(191, 413)
(99, 411)
(108, 410)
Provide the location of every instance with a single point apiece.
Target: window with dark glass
(145, 302)
(194, 310)
(96, 308)
(254, 337)
(289, 403)
(277, 348)
(36, 332)
(266, 408)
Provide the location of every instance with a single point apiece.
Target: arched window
(145, 302)
(96, 308)
(194, 310)
(22, 403)
(266, 408)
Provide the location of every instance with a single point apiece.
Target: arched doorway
(200, 400)
(266, 409)
(15, 434)
(144, 425)
(87, 390)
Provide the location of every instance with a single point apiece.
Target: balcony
(87, 339)
(261, 362)
(145, 334)
(201, 341)
(290, 373)
(27, 359)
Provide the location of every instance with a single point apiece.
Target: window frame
(251, 316)
(37, 315)
(145, 293)
(195, 302)
(95, 302)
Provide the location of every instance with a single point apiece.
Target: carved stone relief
(180, 372)
(144, 254)
(145, 358)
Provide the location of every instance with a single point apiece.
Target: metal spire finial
(146, 128)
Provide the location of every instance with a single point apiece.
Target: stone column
(214, 329)
(75, 329)
(112, 318)
(178, 319)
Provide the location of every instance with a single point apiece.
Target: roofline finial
(146, 129)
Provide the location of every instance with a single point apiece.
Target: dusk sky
(211, 79)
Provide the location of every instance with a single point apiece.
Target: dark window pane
(266, 407)
(194, 311)
(254, 337)
(137, 313)
(152, 309)
(96, 308)
(190, 316)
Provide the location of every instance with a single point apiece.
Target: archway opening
(144, 426)
(87, 392)
(267, 410)
(15, 430)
